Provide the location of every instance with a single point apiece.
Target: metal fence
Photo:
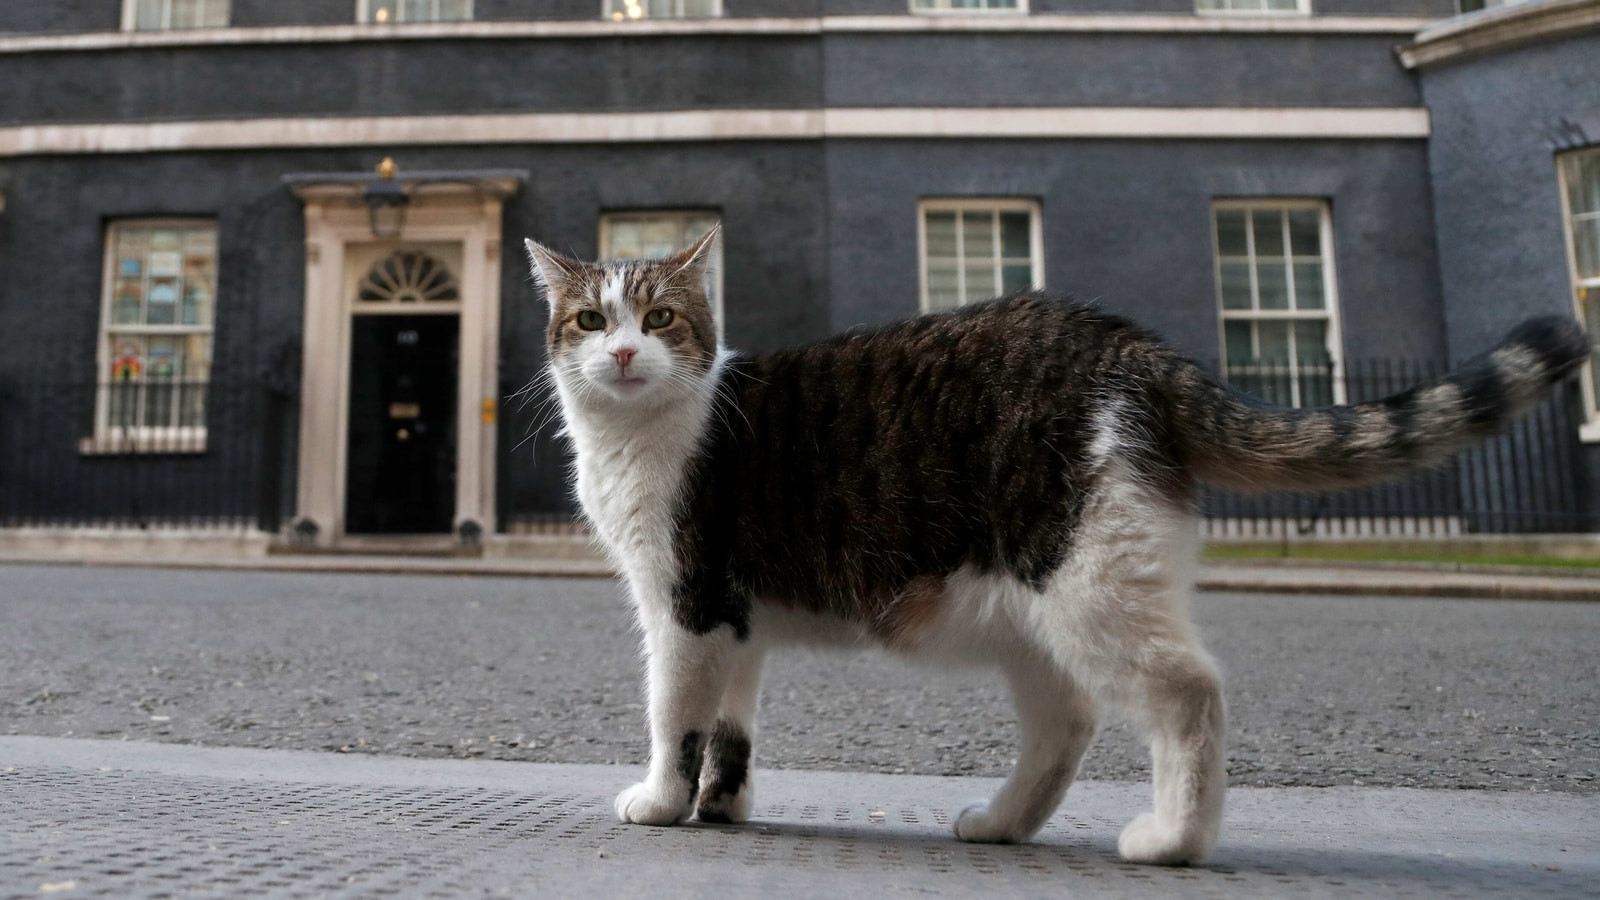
(1528, 479)
(174, 454)
(142, 454)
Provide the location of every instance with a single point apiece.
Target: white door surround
(464, 214)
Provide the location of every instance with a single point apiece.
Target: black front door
(400, 472)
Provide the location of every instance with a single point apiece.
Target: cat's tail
(1231, 440)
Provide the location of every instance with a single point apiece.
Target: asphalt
(1322, 690)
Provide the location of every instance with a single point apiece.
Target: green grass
(1372, 554)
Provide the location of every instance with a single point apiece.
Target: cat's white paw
(644, 804)
(978, 825)
(725, 808)
(1147, 841)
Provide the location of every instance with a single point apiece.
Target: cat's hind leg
(726, 788)
(1057, 721)
(1116, 615)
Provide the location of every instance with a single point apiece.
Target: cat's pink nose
(624, 355)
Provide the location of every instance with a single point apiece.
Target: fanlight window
(408, 276)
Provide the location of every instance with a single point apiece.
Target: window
(160, 15)
(624, 10)
(654, 235)
(389, 12)
(961, 6)
(1467, 6)
(976, 249)
(1275, 289)
(156, 325)
(1253, 6)
(1580, 179)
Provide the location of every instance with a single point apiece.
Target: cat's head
(630, 332)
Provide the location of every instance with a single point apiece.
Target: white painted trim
(1501, 28)
(466, 216)
(719, 125)
(752, 26)
(1129, 122)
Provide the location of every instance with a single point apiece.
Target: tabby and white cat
(1010, 483)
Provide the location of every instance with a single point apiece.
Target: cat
(1010, 483)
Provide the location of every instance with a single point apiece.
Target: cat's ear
(554, 272)
(699, 263)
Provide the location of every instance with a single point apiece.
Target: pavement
(99, 818)
(421, 732)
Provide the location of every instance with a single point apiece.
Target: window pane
(943, 288)
(700, 9)
(127, 357)
(1586, 247)
(150, 15)
(1583, 182)
(382, 12)
(1305, 235)
(1589, 299)
(980, 275)
(659, 238)
(454, 10)
(416, 10)
(1285, 5)
(1311, 342)
(215, 14)
(1235, 285)
(1236, 343)
(1016, 277)
(977, 234)
(1230, 233)
(1273, 282)
(941, 234)
(624, 240)
(1308, 292)
(1274, 342)
(1269, 232)
(1014, 236)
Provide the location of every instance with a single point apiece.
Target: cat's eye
(658, 318)
(589, 320)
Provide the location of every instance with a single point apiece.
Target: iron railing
(143, 454)
(1530, 478)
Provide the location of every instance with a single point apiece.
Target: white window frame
(130, 14)
(1302, 8)
(611, 217)
(1584, 290)
(363, 7)
(994, 205)
(1330, 289)
(617, 11)
(943, 8)
(109, 438)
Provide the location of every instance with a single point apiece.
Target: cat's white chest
(631, 485)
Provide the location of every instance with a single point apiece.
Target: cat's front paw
(645, 804)
(979, 825)
(1146, 840)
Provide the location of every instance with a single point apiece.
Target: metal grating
(397, 828)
